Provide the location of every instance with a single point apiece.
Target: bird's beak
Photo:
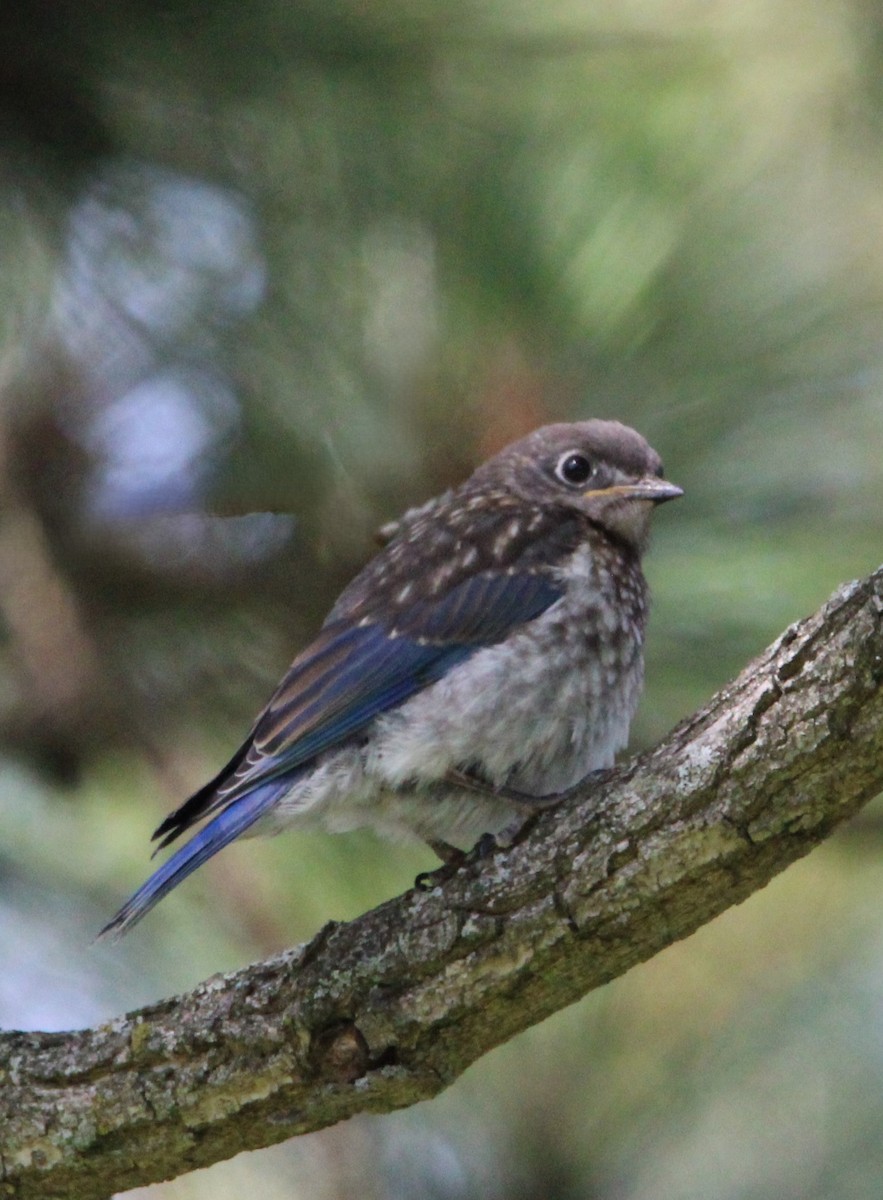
(652, 488)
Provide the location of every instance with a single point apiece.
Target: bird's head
(602, 469)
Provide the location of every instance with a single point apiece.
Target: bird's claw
(454, 860)
(427, 880)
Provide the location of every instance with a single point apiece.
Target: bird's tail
(222, 829)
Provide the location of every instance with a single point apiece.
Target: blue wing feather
(377, 672)
(227, 825)
(482, 609)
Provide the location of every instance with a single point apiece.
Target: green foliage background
(319, 260)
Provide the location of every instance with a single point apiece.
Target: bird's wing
(350, 674)
(353, 672)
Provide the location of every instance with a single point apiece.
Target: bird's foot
(453, 860)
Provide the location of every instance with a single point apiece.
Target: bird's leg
(450, 855)
(453, 858)
(502, 791)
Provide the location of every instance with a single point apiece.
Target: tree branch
(391, 1008)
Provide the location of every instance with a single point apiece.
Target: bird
(482, 664)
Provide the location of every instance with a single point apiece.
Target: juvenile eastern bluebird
(485, 661)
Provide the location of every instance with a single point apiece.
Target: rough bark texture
(390, 1008)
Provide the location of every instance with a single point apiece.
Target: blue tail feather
(232, 821)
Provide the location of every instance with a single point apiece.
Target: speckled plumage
(498, 635)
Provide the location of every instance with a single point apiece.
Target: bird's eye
(574, 468)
